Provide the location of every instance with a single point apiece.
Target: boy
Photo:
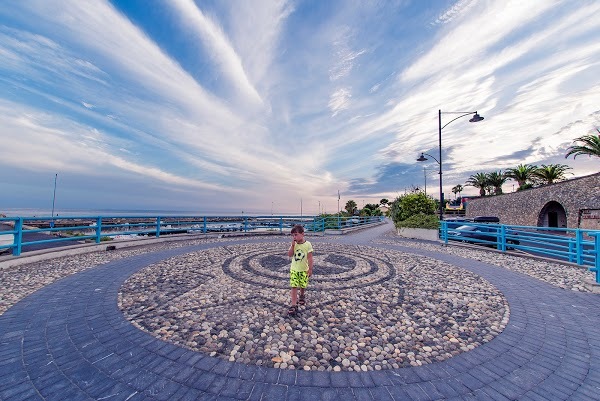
(301, 252)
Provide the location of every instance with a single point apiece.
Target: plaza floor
(70, 340)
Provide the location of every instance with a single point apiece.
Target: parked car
(454, 222)
(476, 233)
(486, 219)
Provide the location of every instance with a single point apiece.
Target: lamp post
(476, 118)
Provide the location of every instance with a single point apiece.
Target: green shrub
(412, 204)
(419, 221)
(525, 186)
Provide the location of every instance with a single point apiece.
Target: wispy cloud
(339, 100)
(458, 8)
(219, 47)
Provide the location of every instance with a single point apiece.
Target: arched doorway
(553, 214)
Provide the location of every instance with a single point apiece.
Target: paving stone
(363, 394)
(431, 390)
(288, 377)
(444, 388)
(274, 392)
(202, 381)
(415, 392)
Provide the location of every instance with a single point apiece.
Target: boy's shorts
(298, 279)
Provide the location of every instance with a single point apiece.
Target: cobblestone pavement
(71, 341)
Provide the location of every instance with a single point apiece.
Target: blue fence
(32, 232)
(578, 246)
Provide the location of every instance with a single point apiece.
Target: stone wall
(573, 203)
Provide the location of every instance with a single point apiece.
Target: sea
(31, 212)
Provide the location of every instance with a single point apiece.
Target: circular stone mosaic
(367, 309)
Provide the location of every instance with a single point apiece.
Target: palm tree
(522, 173)
(590, 146)
(457, 190)
(551, 173)
(479, 180)
(496, 179)
(350, 207)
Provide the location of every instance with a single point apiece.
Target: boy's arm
(310, 264)
(291, 250)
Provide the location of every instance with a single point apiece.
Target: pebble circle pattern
(366, 310)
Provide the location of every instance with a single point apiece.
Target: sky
(276, 106)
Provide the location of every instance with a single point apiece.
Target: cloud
(219, 47)
(339, 100)
(458, 8)
(61, 145)
(344, 56)
(460, 46)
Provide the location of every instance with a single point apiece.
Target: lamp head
(422, 158)
(476, 118)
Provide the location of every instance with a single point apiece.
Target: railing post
(281, 224)
(245, 224)
(157, 226)
(98, 229)
(444, 231)
(18, 236)
(597, 253)
(204, 225)
(579, 246)
(502, 238)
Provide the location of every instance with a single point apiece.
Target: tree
(384, 201)
(371, 209)
(523, 174)
(350, 207)
(496, 179)
(457, 190)
(590, 145)
(551, 173)
(479, 180)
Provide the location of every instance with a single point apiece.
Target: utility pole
(338, 213)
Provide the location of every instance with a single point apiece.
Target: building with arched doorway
(572, 203)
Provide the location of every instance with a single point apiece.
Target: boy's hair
(298, 229)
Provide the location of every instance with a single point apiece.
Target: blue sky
(264, 105)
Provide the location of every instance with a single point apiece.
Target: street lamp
(476, 118)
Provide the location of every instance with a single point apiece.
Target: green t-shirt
(300, 257)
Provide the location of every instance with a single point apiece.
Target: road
(30, 237)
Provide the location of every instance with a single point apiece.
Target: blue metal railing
(578, 246)
(47, 231)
